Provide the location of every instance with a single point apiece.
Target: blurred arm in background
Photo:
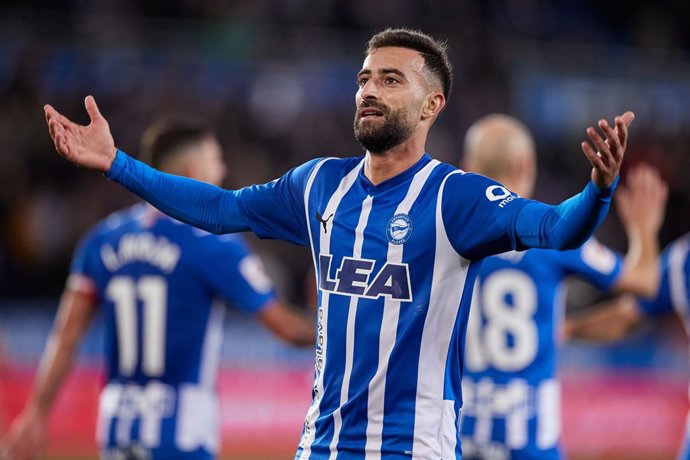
(27, 434)
(641, 207)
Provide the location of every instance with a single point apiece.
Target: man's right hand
(90, 146)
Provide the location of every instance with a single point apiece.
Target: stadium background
(277, 80)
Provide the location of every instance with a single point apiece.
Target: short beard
(394, 131)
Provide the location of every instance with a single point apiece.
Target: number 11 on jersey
(126, 292)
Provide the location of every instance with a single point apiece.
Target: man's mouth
(370, 113)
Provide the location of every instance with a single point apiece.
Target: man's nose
(370, 91)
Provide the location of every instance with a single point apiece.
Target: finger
(64, 148)
(48, 109)
(627, 118)
(592, 156)
(622, 130)
(92, 109)
(603, 150)
(612, 139)
(55, 129)
(52, 114)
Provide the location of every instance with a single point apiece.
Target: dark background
(277, 81)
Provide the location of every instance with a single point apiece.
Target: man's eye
(392, 81)
(362, 81)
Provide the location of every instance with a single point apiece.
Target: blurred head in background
(502, 148)
(184, 148)
(404, 83)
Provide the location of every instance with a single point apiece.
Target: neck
(379, 167)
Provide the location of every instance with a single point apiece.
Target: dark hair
(435, 52)
(166, 138)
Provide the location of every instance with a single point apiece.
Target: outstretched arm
(92, 146)
(569, 224)
(26, 436)
(641, 207)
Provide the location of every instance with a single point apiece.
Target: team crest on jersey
(399, 229)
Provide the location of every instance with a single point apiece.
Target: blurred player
(510, 389)
(159, 283)
(615, 318)
(397, 238)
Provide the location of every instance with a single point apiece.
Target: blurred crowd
(277, 82)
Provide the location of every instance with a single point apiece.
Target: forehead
(407, 60)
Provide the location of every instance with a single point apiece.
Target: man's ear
(434, 104)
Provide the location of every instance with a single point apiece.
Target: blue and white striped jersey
(511, 392)
(674, 295)
(159, 283)
(395, 266)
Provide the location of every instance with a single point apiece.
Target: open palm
(90, 146)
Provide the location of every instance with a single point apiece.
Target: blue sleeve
(277, 209)
(272, 210)
(567, 225)
(479, 215)
(594, 262)
(483, 218)
(197, 203)
(236, 274)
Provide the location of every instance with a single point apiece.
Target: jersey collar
(395, 180)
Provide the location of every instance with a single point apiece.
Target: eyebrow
(382, 72)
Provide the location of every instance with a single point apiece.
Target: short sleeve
(593, 262)
(479, 215)
(276, 209)
(85, 267)
(236, 274)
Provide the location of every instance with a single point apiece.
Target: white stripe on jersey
(211, 349)
(389, 327)
(516, 421)
(548, 414)
(450, 430)
(324, 248)
(307, 193)
(450, 273)
(198, 419)
(676, 279)
(350, 336)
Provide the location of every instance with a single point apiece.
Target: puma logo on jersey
(323, 221)
(356, 277)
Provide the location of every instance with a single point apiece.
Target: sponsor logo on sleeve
(500, 193)
(598, 256)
